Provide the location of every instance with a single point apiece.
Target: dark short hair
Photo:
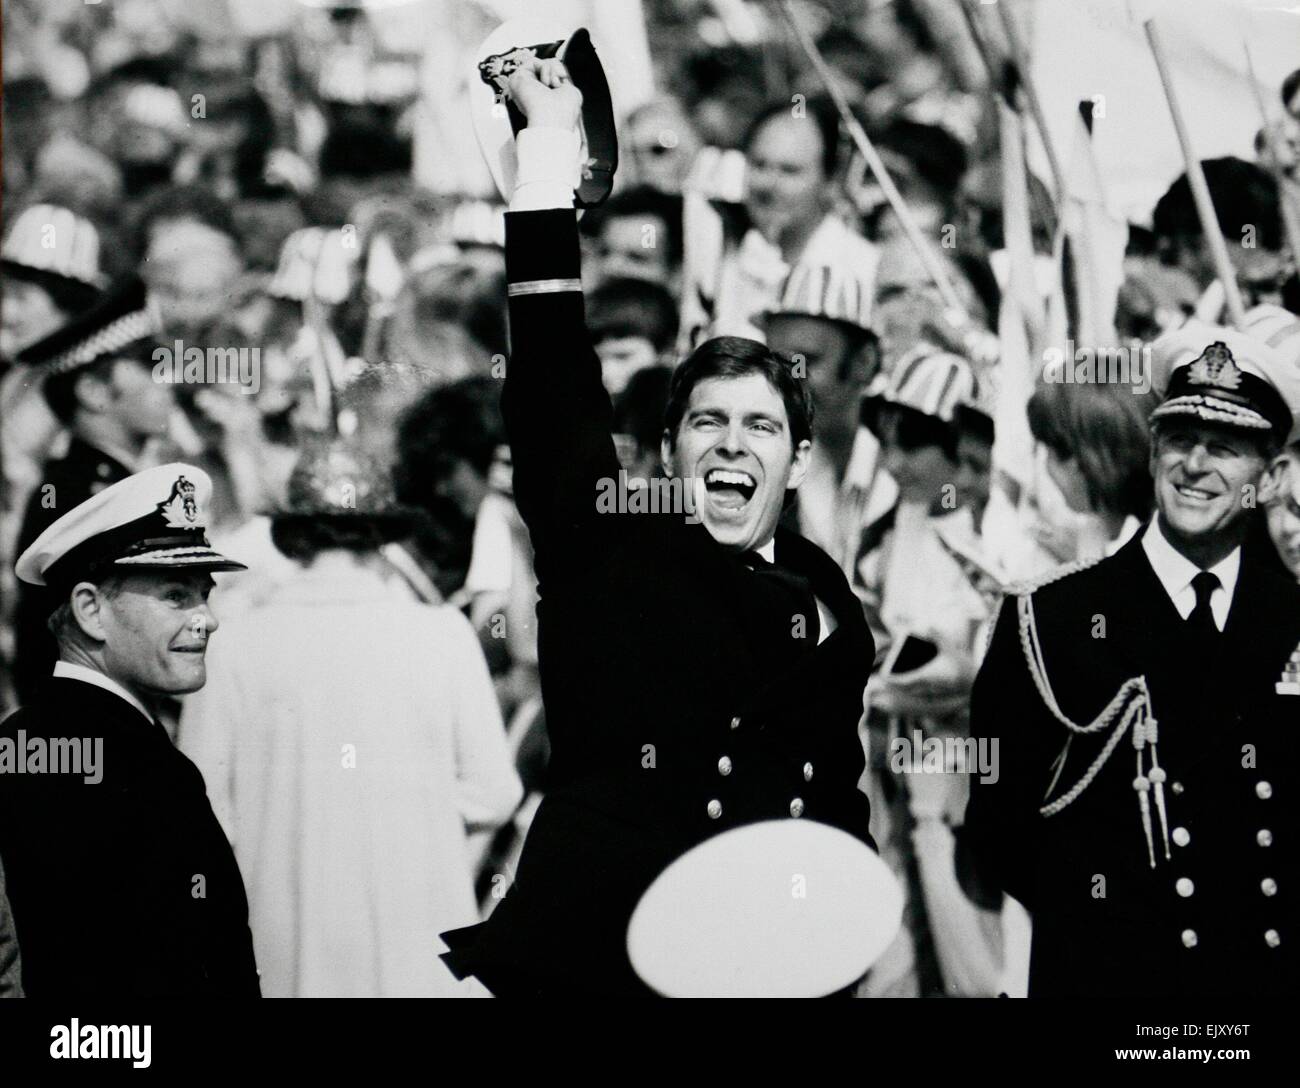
(469, 296)
(972, 423)
(1104, 428)
(625, 306)
(916, 430)
(195, 201)
(639, 409)
(1243, 194)
(363, 149)
(448, 424)
(937, 157)
(641, 200)
(737, 357)
(820, 111)
(303, 538)
(1289, 86)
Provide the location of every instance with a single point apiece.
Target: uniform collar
(1176, 572)
(70, 671)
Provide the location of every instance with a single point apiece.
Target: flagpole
(934, 269)
(1196, 180)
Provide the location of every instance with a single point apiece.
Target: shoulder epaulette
(1028, 585)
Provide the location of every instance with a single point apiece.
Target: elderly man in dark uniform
(700, 671)
(1145, 710)
(97, 378)
(119, 877)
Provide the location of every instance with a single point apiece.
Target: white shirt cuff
(548, 169)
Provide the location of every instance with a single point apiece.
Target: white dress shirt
(90, 676)
(1176, 572)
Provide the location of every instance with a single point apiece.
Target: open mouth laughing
(729, 488)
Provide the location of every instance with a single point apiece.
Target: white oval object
(782, 908)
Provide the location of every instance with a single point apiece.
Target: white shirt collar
(768, 550)
(1176, 572)
(90, 676)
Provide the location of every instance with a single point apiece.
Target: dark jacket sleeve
(557, 413)
(10, 965)
(997, 844)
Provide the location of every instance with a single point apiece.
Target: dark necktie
(797, 589)
(1201, 621)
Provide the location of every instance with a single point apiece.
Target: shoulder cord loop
(1134, 700)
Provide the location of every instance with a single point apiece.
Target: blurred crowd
(258, 189)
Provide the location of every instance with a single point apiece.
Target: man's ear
(666, 452)
(87, 602)
(1274, 480)
(799, 467)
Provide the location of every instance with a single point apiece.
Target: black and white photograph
(592, 501)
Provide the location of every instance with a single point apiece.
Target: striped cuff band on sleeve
(544, 287)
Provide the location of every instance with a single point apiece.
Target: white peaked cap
(152, 520)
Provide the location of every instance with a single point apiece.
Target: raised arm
(557, 413)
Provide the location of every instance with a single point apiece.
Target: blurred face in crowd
(621, 357)
(28, 314)
(152, 630)
(974, 472)
(837, 368)
(1283, 514)
(138, 405)
(920, 469)
(906, 300)
(1207, 479)
(638, 461)
(662, 145)
(734, 448)
(1261, 272)
(634, 246)
(192, 271)
(464, 486)
(787, 192)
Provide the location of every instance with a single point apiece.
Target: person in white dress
(350, 740)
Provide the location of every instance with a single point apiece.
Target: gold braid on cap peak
(1130, 709)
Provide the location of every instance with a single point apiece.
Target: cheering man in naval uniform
(699, 671)
(1147, 711)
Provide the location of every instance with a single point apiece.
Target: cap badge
(180, 510)
(498, 68)
(1215, 367)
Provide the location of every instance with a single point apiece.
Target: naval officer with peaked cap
(1147, 709)
(120, 879)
